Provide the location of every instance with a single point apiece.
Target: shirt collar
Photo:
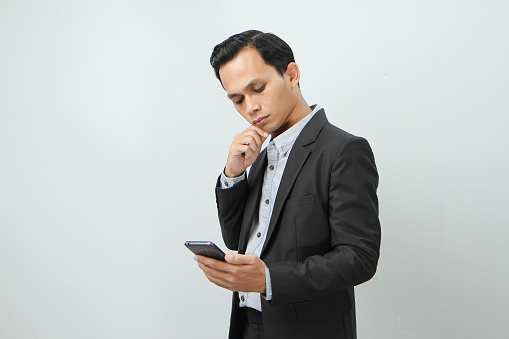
(285, 140)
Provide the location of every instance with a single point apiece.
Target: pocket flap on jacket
(300, 201)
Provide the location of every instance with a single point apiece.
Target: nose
(251, 106)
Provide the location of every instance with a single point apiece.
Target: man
(305, 219)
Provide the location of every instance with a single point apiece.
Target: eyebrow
(250, 84)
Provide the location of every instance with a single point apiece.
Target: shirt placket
(268, 197)
(265, 206)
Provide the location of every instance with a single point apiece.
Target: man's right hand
(244, 150)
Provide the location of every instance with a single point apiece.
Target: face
(263, 96)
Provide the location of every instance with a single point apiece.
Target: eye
(260, 89)
(238, 102)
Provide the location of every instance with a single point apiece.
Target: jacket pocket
(301, 201)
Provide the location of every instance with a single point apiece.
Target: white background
(113, 130)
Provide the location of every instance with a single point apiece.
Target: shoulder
(336, 139)
(331, 131)
(320, 130)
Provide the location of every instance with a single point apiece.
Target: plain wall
(113, 130)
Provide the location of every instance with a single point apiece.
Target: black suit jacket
(323, 237)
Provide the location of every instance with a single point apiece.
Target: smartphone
(205, 248)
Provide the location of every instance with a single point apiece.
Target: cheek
(281, 101)
(283, 93)
(242, 113)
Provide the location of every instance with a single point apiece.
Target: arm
(354, 232)
(230, 208)
(231, 201)
(239, 272)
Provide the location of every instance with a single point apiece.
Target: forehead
(247, 65)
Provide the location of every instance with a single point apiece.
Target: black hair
(273, 49)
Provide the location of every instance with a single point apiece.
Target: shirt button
(226, 184)
(258, 234)
(271, 167)
(242, 298)
(267, 202)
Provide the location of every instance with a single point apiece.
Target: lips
(260, 121)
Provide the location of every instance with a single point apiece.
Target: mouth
(261, 121)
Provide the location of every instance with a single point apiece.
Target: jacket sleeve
(230, 208)
(355, 233)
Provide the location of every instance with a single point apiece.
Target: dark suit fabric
(323, 237)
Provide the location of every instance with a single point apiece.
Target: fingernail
(195, 258)
(229, 257)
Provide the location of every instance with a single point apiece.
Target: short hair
(273, 50)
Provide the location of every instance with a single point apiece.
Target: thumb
(238, 259)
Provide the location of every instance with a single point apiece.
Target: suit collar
(284, 142)
(313, 128)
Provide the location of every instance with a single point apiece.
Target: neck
(299, 112)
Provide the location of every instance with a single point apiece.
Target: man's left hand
(241, 273)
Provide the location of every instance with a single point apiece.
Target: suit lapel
(298, 157)
(255, 190)
(300, 152)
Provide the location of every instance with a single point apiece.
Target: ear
(292, 71)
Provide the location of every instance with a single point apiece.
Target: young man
(305, 219)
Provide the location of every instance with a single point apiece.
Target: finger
(217, 277)
(212, 263)
(264, 134)
(249, 155)
(210, 271)
(245, 143)
(253, 136)
(260, 139)
(253, 143)
(252, 149)
(244, 150)
(252, 139)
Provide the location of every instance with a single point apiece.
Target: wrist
(230, 174)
